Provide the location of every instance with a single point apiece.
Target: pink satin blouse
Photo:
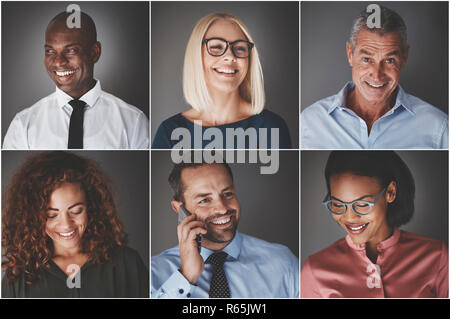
(408, 266)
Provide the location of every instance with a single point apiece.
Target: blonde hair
(194, 85)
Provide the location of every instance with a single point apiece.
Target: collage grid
(123, 173)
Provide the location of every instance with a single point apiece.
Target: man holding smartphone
(229, 264)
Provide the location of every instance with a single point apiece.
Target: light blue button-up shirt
(254, 269)
(410, 124)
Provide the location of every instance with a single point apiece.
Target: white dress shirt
(109, 123)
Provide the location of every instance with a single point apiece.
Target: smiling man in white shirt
(100, 120)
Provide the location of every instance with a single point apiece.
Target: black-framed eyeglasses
(218, 47)
(360, 207)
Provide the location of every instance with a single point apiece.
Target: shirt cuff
(177, 286)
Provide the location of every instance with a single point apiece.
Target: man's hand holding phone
(191, 261)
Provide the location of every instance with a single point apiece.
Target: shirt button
(181, 291)
(188, 295)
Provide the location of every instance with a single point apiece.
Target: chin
(358, 239)
(224, 88)
(374, 97)
(221, 238)
(64, 87)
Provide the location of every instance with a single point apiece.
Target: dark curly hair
(27, 248)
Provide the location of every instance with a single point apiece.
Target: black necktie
(218, 287)
(76, 124)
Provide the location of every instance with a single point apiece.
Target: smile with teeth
(357, 228)
(221, 221)
(65, 73)
(226, 71)
(67, 234)
(375, 85)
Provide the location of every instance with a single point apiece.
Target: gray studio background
(269, 203)
(325, 28)
(131, 187)
(123, 68)
(274, 27)
(430, 219)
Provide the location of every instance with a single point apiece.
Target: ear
(96, 51)
(176, 206)
(349, 53)
(391, 192)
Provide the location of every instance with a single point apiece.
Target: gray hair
(390, 20)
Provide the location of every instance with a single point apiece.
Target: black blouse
(124, 276)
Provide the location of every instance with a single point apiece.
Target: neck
(369, 111)
(63, 252)
(226, 108)
(214, 245)
(371, 247)
(76, 95)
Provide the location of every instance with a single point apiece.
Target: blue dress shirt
(254, 269)
(264, 123)
(410, 124)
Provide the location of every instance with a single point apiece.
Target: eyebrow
(66, 46)
(219, 38)
(207, 194)
(362, 51)
(56, 209)
(395, 52)
(360, 198)
(201, 195)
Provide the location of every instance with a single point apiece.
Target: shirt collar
(404, 100)
(385, 244)
(233, 249)
(90, 97)
(341, 97)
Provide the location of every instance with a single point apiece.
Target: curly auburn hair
(27, 247)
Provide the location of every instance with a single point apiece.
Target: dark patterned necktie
(218, 287)
(76, 124)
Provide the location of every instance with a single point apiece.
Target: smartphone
(182, 214)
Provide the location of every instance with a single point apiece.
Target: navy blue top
(257, 131)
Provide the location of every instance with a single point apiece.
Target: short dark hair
(175, 177)
(385, 166)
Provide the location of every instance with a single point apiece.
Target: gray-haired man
(372, 111)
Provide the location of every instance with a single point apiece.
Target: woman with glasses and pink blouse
(370, 195)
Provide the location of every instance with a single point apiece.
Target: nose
(229, 55)
(220, 206)
(65, 221)
(60, 60)
(350, 216)
(377, 71)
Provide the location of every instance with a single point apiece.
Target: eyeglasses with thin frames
(218, 47)
(359, 206)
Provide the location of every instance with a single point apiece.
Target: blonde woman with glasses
(223, 84)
